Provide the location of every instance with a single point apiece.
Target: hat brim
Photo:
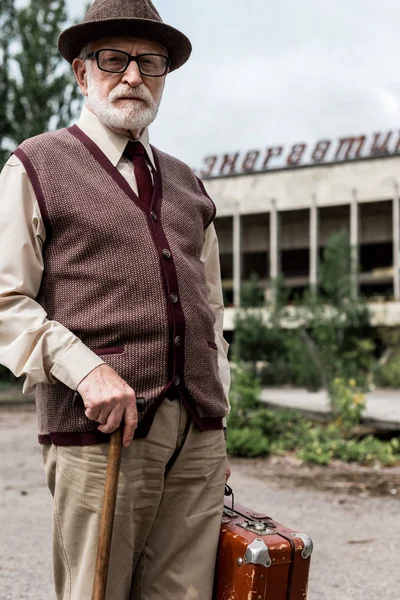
(73, 39)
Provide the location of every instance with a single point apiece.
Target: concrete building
(277, 220)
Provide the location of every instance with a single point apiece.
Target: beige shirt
(32, 345)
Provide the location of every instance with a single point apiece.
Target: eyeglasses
(117, 61)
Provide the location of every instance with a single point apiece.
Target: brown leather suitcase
(260, 559)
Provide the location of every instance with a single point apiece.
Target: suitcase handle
(229, 492)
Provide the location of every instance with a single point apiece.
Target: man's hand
(108, 399)
(228, 472)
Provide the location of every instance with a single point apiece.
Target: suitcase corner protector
(308, 544)
(257, 554)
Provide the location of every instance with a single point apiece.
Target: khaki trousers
(167, 519)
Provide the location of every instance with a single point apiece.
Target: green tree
(252, 293)
(326, 335)
(338, 332)
(255, 340)
(335, 269)
(37, 87)
(7, 19)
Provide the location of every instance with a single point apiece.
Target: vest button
(177, 340)
(174, 297)
(166, 253)
(154, 215)
(177, 380)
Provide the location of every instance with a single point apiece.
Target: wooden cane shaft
(107, 516)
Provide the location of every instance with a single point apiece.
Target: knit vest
(126, 279)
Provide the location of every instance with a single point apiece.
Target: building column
(273, 247)
(237, 255)
(314, 245)
(396, 244)
(354, 244)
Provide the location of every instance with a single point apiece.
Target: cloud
(264, 73)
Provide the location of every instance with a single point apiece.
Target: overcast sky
(267, 72)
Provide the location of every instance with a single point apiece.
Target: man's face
(128, 100)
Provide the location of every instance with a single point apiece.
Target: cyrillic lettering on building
(273, 152)
(397, 148)
(324, 152)
(250, 160)
(228, 165)
(210, 162)
(321, 150)
(350, 148)
(296, 155)
(379, 144)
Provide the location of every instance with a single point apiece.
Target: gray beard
(137, 116)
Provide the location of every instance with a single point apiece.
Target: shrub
(254, 430)
(347, 402)
(303, 371)
(248, 443)
(252, 292)
(388, 374)
(369, 450)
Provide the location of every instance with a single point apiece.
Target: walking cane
(107, 513)
(107, 516)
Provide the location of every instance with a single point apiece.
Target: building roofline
(302, 167)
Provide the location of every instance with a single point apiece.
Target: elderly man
(110, 291)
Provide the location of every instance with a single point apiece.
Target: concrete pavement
(355, 536)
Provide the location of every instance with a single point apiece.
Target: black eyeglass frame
(131, 58)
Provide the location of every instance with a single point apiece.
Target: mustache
(139, 93)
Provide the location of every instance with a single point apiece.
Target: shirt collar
(112, 144)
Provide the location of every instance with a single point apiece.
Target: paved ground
(382, 410)
(356, 537)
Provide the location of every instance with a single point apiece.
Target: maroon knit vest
(127, 280)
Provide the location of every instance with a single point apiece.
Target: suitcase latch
(257, 554)
(229, 513)
(260, 528)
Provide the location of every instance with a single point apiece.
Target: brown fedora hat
(128, 18)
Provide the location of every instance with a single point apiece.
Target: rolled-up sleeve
(210, 259)
(30, 344)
